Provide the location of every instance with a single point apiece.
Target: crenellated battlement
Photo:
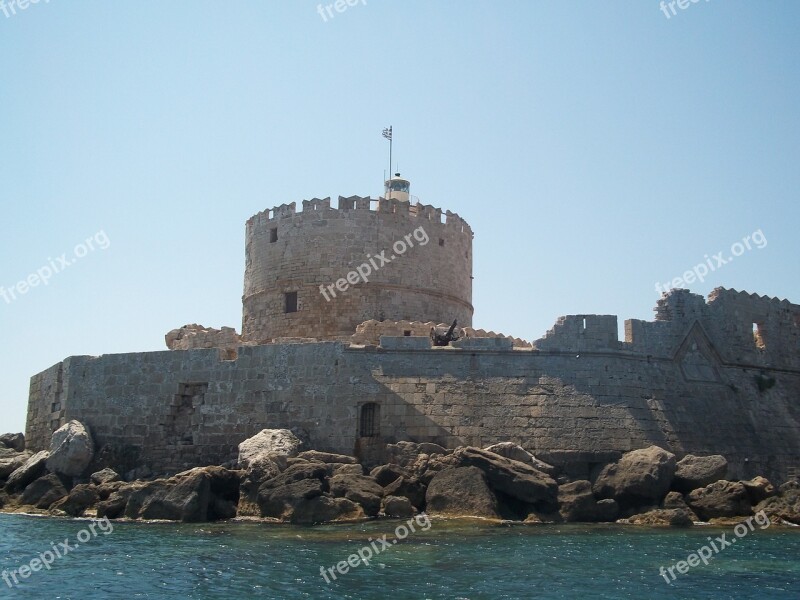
(350, 206)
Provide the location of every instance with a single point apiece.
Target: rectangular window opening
(273, 235)
(290, 302)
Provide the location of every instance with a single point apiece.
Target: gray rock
(406, 453)
(386, 474)
(785, 506)
(327, 457)
(32, 469)
(280, 496)
(518, 453)
(759, 489)
(667, 517)
(324, 509)
(640, 477)
(461, 491)
(280, 442)
(577, 504)
(360, 489)
(396, 506)
(339, 469)
(15, 441)
(80, 498)
(720, 499)
(105, 476)
(694, 472)
(407, 487)
(71, 449)
(43, 492)
(513, 478)
(12, 463)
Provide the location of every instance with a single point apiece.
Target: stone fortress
(357, 369)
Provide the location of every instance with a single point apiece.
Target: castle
(345, 356)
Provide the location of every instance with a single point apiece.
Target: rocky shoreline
(277, 479)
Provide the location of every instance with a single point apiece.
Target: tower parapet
(416, 262)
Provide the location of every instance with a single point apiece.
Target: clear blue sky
(595, 148)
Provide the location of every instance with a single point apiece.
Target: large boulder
(71, 449)
(281, 442)
(324, 509)
(80, 498)
(106, 475)
(720, 499)
(759, 489)
(327, 457)
(397, 506)
(15, 441)
(576, 503)
(692, 472)
(31, 469)
(639, 478)
(12, 463)
(406, 453)
(407, 487)
(43, 492)
(513, 478)
(785, 506)
(386, 474)
(197, 495)
(666, 517)
(280, 496)
(360, 489)
(461, 491)
(518, 453)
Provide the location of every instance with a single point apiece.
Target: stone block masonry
(716, 377)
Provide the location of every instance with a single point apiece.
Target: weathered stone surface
(692, 472)
(267, 442)
(397, 506)
(32, 469)
(324, 509)
(191, 496)
(785, 506)
(12, 463)
(327, 457)
(340, 469)
(386, 474)
(461, 491)
(43, 492)
(105, 476)
(407, 487)
(114, 506)
(672, 517)
(360, 489)
(516, 479)
(80, 498)
(278, 497)
(720, 499)
(405, 453)
(15, 441)
(518, 453)
(577, 504)
(759, 489)
(71, 449)
(640, 477)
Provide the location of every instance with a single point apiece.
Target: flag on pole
(387, 133)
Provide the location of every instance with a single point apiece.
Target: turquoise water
(453, 560)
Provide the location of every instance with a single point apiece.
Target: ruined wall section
(289, 251)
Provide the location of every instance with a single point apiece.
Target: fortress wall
(184, 408)
(430, 282)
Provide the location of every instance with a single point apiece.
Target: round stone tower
(321, 272)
